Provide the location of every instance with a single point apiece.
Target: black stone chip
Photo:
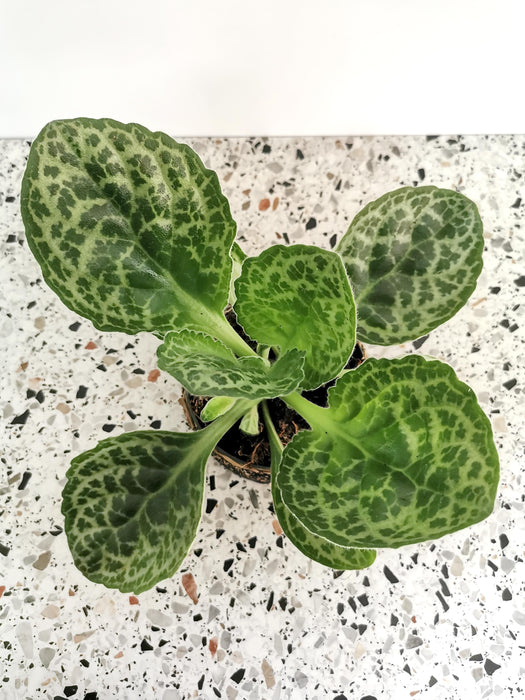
(490, 667)
(311, 223)
(23, 482)
(210, 504)
(419, 342)
(443, 602)
(238, 675)
(21, 419)
(390, 576)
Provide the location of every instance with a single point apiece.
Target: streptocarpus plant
(132, 232)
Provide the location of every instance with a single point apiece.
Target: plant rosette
(246, 448)
(133, 232)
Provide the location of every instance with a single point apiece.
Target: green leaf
(129, 227)
(206, 367)
(318, 548)
(313, 546)
(403, 454)
(216, 406)
(250, 422)
(132, 506)
(238, 256)
(413, 257)
(299, 297)
(133, 503)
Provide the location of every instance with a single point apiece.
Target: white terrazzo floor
(436, 621)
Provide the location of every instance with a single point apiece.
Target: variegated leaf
(132, 506)
(413, 257)
(129, 227)
(315, 547)
(206, 367)
(133, 503)
(299, 297)
(403, 454)
(238, 256)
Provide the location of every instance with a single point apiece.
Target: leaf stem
(226, 334)
(312, 413)
(276, 447)
(213, 432)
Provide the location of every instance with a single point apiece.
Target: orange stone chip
(264, 204)
(153, 375)
(189, 585)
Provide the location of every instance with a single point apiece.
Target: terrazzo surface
(443, 619)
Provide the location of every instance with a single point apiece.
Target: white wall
(276, 67)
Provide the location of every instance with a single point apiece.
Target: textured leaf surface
(403, 454)
(318, 548)
(413, 257)
(313, 546)
(238, 256)
(130, 229)
(299, 297)
(132, 506)
(206, 367)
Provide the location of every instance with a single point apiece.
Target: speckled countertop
(436, 620)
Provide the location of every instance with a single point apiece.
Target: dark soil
(249, 455)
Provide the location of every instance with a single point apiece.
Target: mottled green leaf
(317, 548)
(413, 257)
(206, 367)
(238, 256)
(133, 503)
(403, 454)
(299, 297)
(129, 227)
(132, 506)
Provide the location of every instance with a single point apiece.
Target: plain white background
(278, 67)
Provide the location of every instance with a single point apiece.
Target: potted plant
(133, 232)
